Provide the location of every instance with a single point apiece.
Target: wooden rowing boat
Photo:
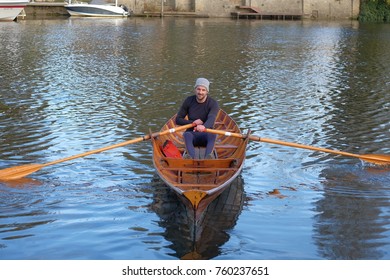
(199, 181)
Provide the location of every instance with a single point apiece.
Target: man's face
(201, 93)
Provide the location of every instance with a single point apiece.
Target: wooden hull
(199, 181)
(202, 240)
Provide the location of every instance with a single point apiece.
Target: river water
(76, 84)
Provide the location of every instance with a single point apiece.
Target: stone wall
(332, 9)
(50, 9)
(220, 8)
(278, 6)
(312, 9)
(318, 9)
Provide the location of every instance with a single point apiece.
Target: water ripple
(93, 83)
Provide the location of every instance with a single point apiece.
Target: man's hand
(199, 128)
(198, 122)
(199, 125)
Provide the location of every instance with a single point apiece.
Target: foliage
(374, 11)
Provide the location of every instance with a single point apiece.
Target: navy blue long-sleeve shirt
(206, 111)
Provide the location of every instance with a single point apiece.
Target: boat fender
(170, 150)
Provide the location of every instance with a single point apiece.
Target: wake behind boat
(10, 9)
(84, 9)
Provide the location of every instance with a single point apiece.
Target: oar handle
(143, 138)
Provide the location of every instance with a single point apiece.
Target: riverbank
(57, 9)
(312, 9)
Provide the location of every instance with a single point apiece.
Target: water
(73, 85)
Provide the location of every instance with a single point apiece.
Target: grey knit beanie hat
(202, 82)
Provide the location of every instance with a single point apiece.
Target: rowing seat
(226, 146)
(187, 164)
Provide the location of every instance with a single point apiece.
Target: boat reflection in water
(202, 239)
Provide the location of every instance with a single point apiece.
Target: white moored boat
(10, 9)
(96, 10)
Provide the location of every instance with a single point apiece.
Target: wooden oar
(21, 171)
(372, 158)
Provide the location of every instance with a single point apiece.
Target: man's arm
(183, 111)
(214, 109)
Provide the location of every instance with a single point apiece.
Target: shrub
(375, 11)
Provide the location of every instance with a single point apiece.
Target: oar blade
(376, 159)
(17, 172)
